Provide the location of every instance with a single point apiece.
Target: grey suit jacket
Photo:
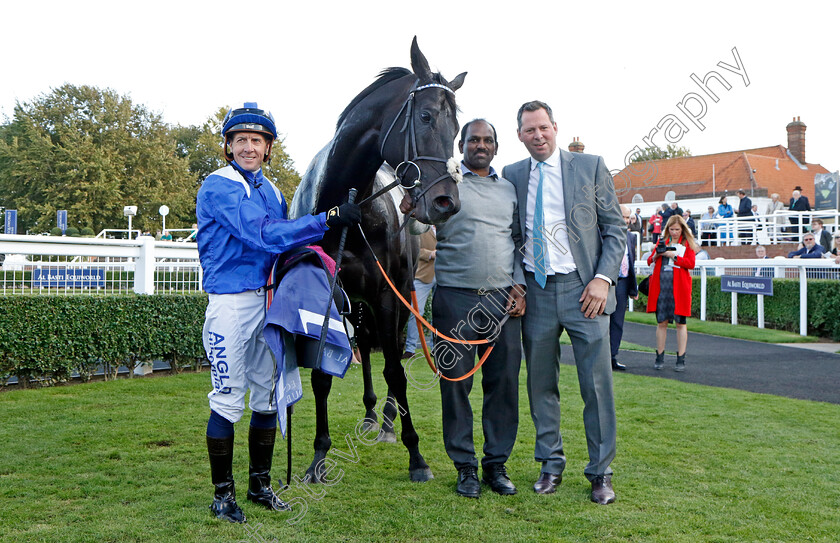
(594, 223)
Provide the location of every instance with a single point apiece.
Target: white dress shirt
(559, 258)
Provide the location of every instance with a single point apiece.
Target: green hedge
(781, 311)
(49, 337)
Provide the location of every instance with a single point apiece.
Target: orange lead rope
(419, 318)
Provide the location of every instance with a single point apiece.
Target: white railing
(779, 267)
(69, 265)
(778, 227)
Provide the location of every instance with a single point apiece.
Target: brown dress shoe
(547, 483)
(602, 490)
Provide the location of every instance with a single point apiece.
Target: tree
(657, 153)
(91, 152)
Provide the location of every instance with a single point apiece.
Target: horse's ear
(419, 63)
(456, 83)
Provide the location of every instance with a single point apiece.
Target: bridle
(410, 155)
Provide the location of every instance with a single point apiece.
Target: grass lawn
(725, 329)
(125, 461)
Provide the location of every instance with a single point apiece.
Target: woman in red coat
(669, 293)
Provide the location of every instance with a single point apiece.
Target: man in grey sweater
(480, 280)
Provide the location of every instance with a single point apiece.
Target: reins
(422, 322)
(410, 156)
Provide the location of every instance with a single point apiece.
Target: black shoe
(617, 366)
(495, 476)
(548, 483)
(602, 490)
(468, 485)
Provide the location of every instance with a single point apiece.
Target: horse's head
(420, 140)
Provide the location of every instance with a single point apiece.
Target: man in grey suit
(575, 238)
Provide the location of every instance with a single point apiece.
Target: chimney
(576, 146)
(796, 139)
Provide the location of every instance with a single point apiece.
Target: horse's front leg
(321, 385)
(418, 469)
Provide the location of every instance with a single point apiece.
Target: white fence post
(803, 302)
(761, 310)
(144, 271)
(734, 308)
(703, 286)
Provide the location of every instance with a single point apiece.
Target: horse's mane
(386, 76)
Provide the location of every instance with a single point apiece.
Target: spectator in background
(638, 215)
(798, 203)
(424, 285)
(655, 226)
(625, 288)
(708, 227)
(636, 225)
(744, 211)
(744, 204)
(724, 212)
(669, 294)
(755, 210)
(676, 210)
(835, 253)
(690, 222)
(666, 213)
(821, 234)
(166, 236)
(810, 249)
(761, 254)
(774, 205)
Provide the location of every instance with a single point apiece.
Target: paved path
(794, 372)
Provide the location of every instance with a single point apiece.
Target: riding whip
(333, 280)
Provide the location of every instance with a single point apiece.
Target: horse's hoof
(387, 437)
(420, 475)
(310, 478)
(369, 425)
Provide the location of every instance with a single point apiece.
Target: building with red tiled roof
(760, 172)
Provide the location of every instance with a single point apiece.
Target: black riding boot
(221, 472)
(261, 449)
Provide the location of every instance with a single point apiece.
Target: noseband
(410, 155)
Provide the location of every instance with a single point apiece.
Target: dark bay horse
(403, 125)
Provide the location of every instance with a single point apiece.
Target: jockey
(242, 227)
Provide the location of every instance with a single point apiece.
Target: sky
(611, 71)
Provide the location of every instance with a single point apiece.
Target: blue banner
(68, 278)
(746, 285)
(11, 221)
(61, 219)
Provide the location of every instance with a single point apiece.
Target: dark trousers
(622, 287)
(464, 314)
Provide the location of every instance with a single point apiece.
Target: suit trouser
(464, 314)
(549, 312)
(617, 317)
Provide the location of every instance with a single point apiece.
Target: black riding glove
(346, 214)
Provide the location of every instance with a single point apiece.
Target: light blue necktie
(540, 260)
